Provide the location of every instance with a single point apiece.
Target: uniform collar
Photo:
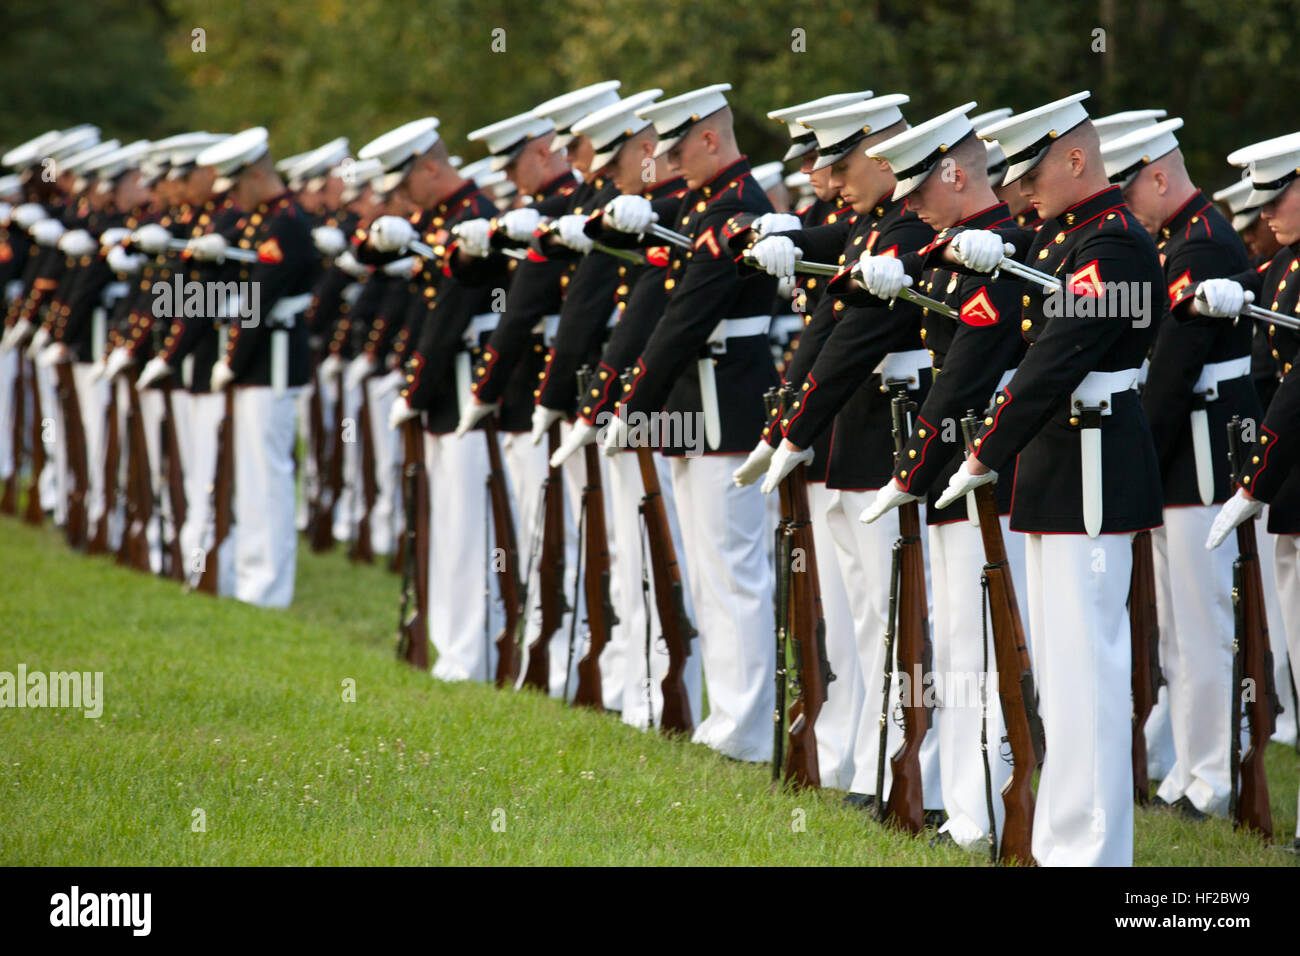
(459, 194)
(1088, 209)
(1195, 205)
(555, 185)
(737, 169)
(673, 187)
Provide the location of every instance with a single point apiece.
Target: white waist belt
(1096, 389)
(1216, 373)
(288, 308)
(1143, 372)
(740, 328)
(787, 325)
(548, 325)
(904, 366)
(1005, 380)
(487, 322)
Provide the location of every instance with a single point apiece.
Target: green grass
(239, 712)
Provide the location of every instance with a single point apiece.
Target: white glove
(543, 418)
(980, 250)
(785, 287)
(28, 214)
(53, 355)
(38, 342)
(113, 237)
(389, 383)
(961, 482)
(77, 243)
(771, 222)
(755, 465)
(1221, 298)
(47, 232)
(349, 264)
(117, 362)
(209, 248)
(474, 236)
(887, 499)
(882, 276)
(616, 437)
(519, 224)
(331, 367)
(568, 230)
(329, 240)
(399, 413)
(776, 255)
(16, 333)
(359, 369)
(630, 214)
(1235, 510)
(155, 370)
(783, 462)
(152, 238)
(122, 262)
(582, 433)
(391, 234)
(471, 415)
(400, 268)
(221, 376)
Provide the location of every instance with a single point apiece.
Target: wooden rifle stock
(361, 549)
(503, 526)
(669, 599)
(320, 513)
(76, 530)
(1252, 667)
(139, 486)
(600, 610)
(1016, 691)
(9, 500)
(173, 484)
(221, 504)
(413, 623)
(33, 513)
(1144, 630)
(112, 459)
(550, 572)
(904, 807)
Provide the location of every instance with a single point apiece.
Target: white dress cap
(233, 155)
(841, 129)
(568, 109)
(1026, 137)
(674, 117)
(804, 140)
(397, 149)
(913, 153)
(611, 126)
(506, 139)
(1125, 156)
(1272, 166)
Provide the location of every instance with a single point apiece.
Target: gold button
(831, 218)
(978, 442)
(1060, 237)
(1001, 399)
(903, 473)
(812, 283)
(1246, 480)
(1073, 420)
(1263, 439)
(668, 284)
(857, 240)
(988, 420)
(805, 386)
(911, 453)
(920, 432)
(1042, 254)
(1024, 300)
(1026, 325)
(1111, 216)
(1254, 459)
(699, 206)
(603, 375)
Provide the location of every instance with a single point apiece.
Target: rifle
(669, 598)
(1144, 629)
(600, 610)
(112, 458)
(550, 572)
(320, 509)
(1015, 678)
(503, 525)
(907, 601)
(139, 492)
(34, 514)
(1252, 668)
(74, 441)
(800, 624)
(413, 619)
(361, 549)
(220, 506)
(323, 538)
(9, 501)
(173, 483)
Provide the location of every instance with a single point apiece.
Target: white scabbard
(972, 513)
(98, 333)
(279, 361)
(1090, 450)
(464, 396)
(1200, 419)
(709, 400)
(187, 371)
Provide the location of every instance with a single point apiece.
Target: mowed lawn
(226, 739)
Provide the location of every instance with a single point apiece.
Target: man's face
(1048, 186)
(936, 201)
(1259, 239)
(129, 192)
(331, 193)
(198, 185)
(420, 182)
(1145, 199)
(820, 180)
(526, 170)
(860, 179)
(692, 157)
(1282, 215)
(628, 166)
(580, 152)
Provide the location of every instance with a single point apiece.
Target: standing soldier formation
(646, 345)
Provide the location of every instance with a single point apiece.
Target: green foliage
(240, 713)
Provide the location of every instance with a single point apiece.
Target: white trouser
(309, 474)
(199, 458)
(92, 399)
(1277, 634)
(1078, 626)
(625, 491)
(347, 510)
(960, 651)
(723, 532)
(151, 415)
(1286, 568)
(526, 466)
(1194, 601)
(49, 483)
(384, 530)
(266, 545)
(865, 552)
(838, 722)
(464, 618)
(8, 372)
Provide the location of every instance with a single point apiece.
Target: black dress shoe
(935, 818)
(943, 839)
(1187, 810)
(1156, 803)
(861, 801)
